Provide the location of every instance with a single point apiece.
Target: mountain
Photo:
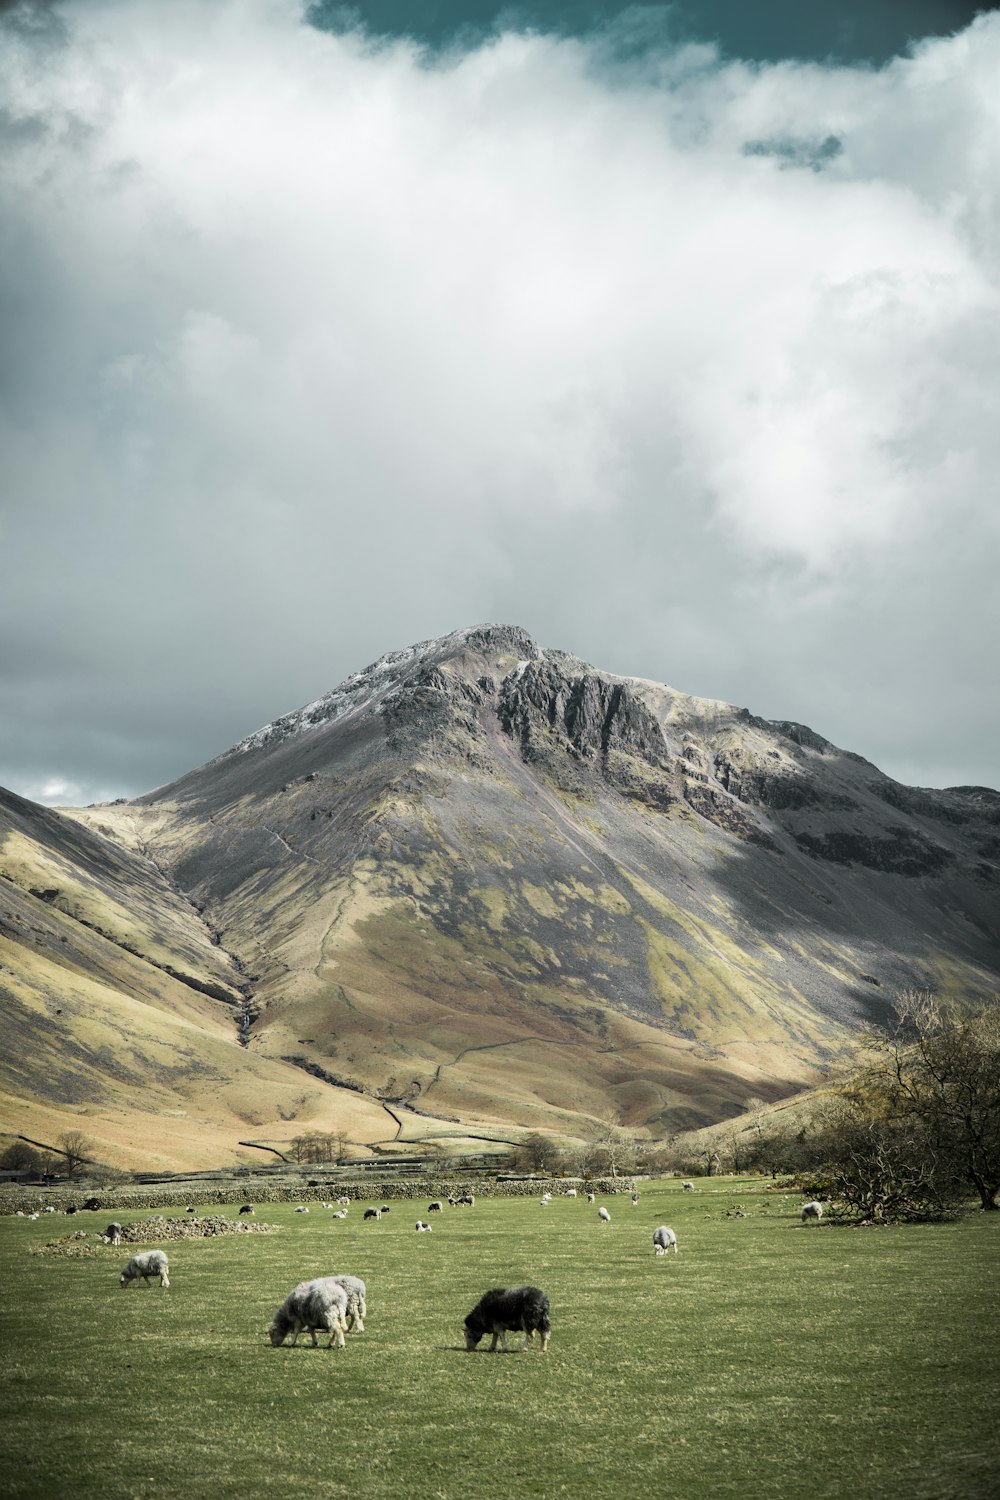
(488, 882)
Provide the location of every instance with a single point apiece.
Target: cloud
(316, 347)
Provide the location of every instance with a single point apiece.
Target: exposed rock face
(507, 886)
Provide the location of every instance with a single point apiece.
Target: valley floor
(766, 1358)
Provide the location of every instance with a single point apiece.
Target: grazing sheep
(343, 1202)
(452, 1202)
(190, 1210)
(635, 1200)
(603, 1215)
(512, 1309)
(301, 1209)
(688, 1187)
(247, 1208)
(812, 1210)
(312, 1305)
(571, 1192)
(50, 1209)
(373, 1213)
(386, 1209)
(357, 1301)
(146, 1264)
(663, 1239)
(422, 1228)
(340, 1213)
(114, 1234)
(591, 1198)
(437, 1207)
(545, 1200)
(467, 1200)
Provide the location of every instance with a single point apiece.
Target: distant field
(767, 1359)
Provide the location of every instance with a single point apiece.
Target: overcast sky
(670, 337)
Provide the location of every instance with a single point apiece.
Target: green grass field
(767, 1359)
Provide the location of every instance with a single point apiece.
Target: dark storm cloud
(823, 30)
(316, 348)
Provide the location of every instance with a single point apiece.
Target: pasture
(766, 1358)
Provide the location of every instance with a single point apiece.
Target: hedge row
(33, 1200)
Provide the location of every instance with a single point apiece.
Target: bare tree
(940, 1066)
(76, 1148)
(535, 1153)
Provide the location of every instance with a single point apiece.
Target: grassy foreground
(767, 1358)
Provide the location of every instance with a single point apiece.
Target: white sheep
(301, 1209)
(571, 1192)
(812, 1210)
(146, 1264)
(343, 1202)
(688, 1187)
(591, 1198)
(312, 1305)
(340, 1213)
(357, 1300)
(663, 1239)
(423, 1228)
(635, 1200)
(603, 1215)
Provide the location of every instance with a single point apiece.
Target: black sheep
(511, 1309)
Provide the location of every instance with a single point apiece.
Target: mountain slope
(501, 885)
(120, 1013)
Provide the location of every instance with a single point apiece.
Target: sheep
(663, 1239)
(386, 1209)
(635, 1200)
(190, 1210)
(340, 1213)
(603, 1215)
(146, 1264)
(591, 1198)
(437, 1207)
(33, 1216)
(571, 1192)
(468, 1200)
(312, 1305)
(246, 1208)
(301, 1209)
(343, 1202)
(50, 1209)
(422, 1228)
(545, 1200)
(812, 1210)
(510, 1309)
(373, 1213)
(357, 1301)
(113, 1233)
(452, 1202)
(688, 1187)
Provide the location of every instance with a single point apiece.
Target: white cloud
(314, 333)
